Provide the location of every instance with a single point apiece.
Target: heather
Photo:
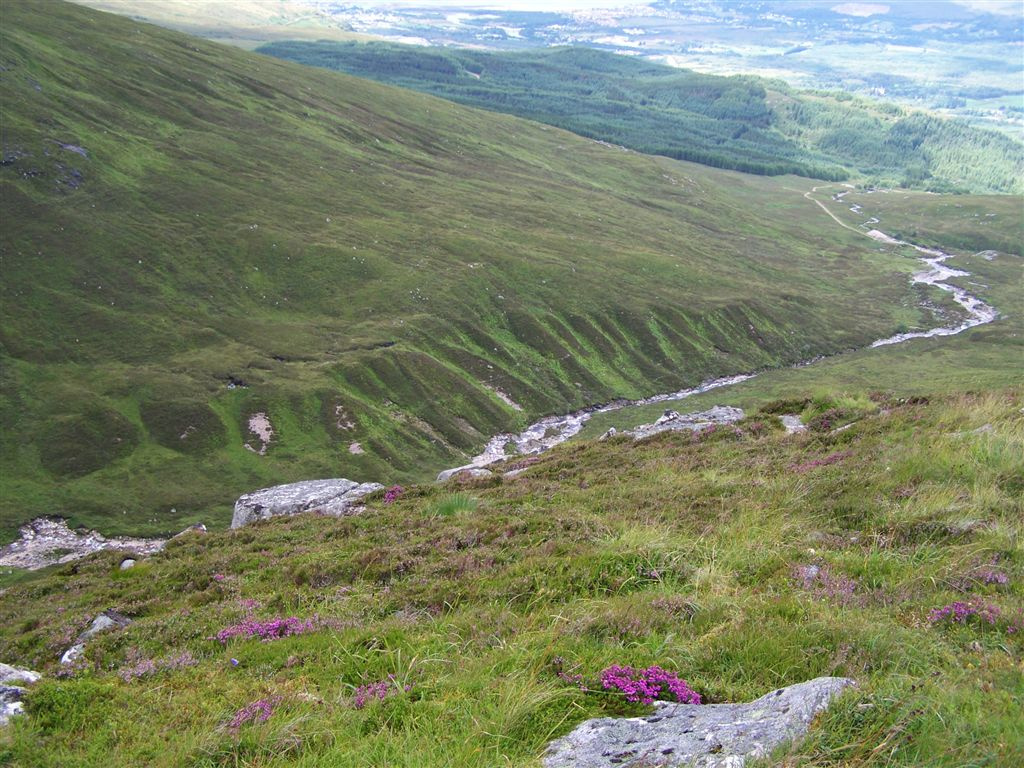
(606, 576)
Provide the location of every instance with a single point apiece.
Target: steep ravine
(552, 430)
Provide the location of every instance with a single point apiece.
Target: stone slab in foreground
(330, 497)
(708, 736)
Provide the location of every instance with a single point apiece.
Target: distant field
(244, 23)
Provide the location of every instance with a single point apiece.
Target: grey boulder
(10, 702)
(14, 676)
(331, 497)
(12, 681)
(672, 421)
(694, 735)
(103, 622)
(464, 473)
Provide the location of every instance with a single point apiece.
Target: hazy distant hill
(744, 123)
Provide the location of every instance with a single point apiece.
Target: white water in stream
(552, 430)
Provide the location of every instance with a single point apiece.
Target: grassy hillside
(197, 239)
(742, 559)
(745, 123)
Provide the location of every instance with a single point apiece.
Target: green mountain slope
(198, 240)
(745, 123)
(743, 560)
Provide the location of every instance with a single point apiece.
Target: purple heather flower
(258, 711)
(646, 685)
(378, 691)
(143, 667)
(272, 629)
(992, 576)
(392, 493)
(960, 612)
(832, 458)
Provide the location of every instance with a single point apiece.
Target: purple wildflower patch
(963, 612)
(377, 691)
(573, 679)
(142, 667)
(992, 576)
(391, 494)
(824, 461)
(258, 711)
(271, 629)
(645, 685)
(824, 583)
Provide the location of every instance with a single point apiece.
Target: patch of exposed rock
(464, 472)
(103, 622)
(330, 497)
(673, 421)
(262, 432)
(792, 423)
(708, 736)
(48, 541)
(12, 690)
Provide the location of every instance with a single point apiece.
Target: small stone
(127, 563)
(72, 654)
(106, 620)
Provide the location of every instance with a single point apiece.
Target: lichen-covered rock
(12, 681)
(704, 736)
(464, 472)
(673, 421)
(10, 702)
(331, 497)
(14, 676)
(106, 620)
(103, 622)
(46, 541)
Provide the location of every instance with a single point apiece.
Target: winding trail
(552, 430)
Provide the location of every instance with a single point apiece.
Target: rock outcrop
(708, 736)
(330, 497)
(103, 622)
(463, 472)
(673, 421)
(48, 541)
(792, 423)
(12, 682)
